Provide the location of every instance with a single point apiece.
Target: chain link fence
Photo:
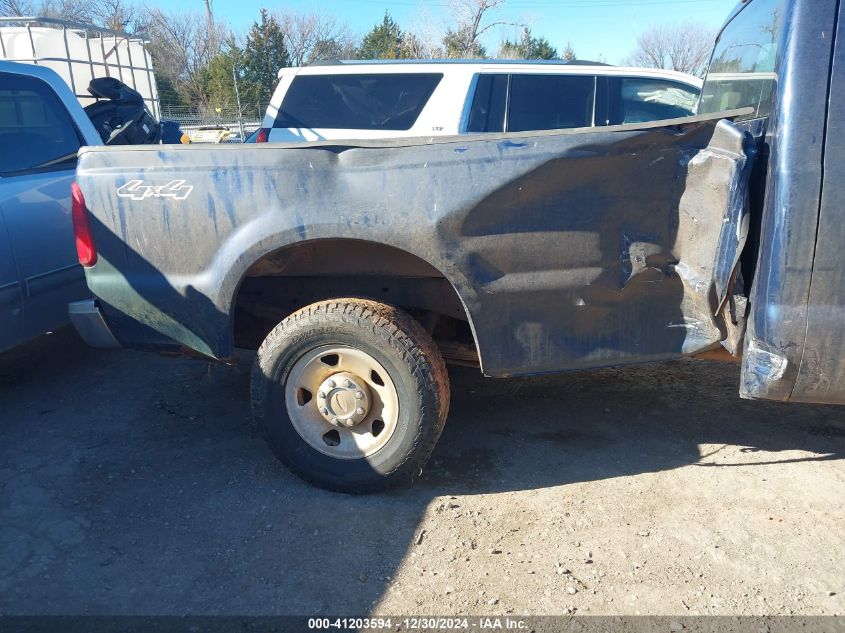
(215, 125)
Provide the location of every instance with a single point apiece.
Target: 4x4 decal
(137, 190)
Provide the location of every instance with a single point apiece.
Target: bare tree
(182, 45)
(117, 15)
(424, 37)
(684, 47)
(413, 47)
(13, 8)
(64, 9)
(314, 36)
(463, 38)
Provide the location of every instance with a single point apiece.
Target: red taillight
(263, 135)
(82, 228)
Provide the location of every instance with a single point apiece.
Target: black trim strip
(47, 281)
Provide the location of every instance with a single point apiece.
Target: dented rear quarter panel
(568, 249)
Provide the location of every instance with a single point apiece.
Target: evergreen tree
(263, 55)
(383, 42)
(219, 77)
(528, 47)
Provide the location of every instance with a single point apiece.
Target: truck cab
(785, 61)
(42, 127)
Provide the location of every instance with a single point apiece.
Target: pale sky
(594, 27)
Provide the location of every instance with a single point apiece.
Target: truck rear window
(356, 101)
(743, 69)
(36, 131)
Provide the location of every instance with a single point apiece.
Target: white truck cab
(368, 100)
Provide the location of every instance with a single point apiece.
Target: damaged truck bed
(563, 250)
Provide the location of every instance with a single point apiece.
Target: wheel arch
(309, 257)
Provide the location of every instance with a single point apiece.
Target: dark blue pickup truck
(356, 269)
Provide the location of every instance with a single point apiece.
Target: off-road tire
(404, 349)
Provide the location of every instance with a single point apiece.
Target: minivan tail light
(263, 135)
(82, 228)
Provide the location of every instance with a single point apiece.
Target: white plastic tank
(79, 53)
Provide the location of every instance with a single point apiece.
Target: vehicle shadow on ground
(585, 426)
(133, 484)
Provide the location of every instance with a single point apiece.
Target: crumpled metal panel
(568, 249)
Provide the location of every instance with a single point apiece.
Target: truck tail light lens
(263, 135)
(82, 228)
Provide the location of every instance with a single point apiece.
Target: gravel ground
(135, 484)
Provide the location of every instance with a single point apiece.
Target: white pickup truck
(421, 98)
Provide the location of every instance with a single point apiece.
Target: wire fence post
(238, 99)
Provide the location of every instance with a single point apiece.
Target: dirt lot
(134, 484)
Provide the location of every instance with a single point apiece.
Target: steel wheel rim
(307, 381)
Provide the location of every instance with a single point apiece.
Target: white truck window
(375, 101)
(640, 99)
(550, 102)
(487, 113)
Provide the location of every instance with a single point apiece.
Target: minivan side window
(639, 99)
(487, 113)
(356, 101)
(550, 102)
(36, 130)
(743, 69)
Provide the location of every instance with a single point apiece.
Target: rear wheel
(351, 394)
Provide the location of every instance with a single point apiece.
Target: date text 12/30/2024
(417, 624)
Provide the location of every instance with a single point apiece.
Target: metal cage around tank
(79, 52)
